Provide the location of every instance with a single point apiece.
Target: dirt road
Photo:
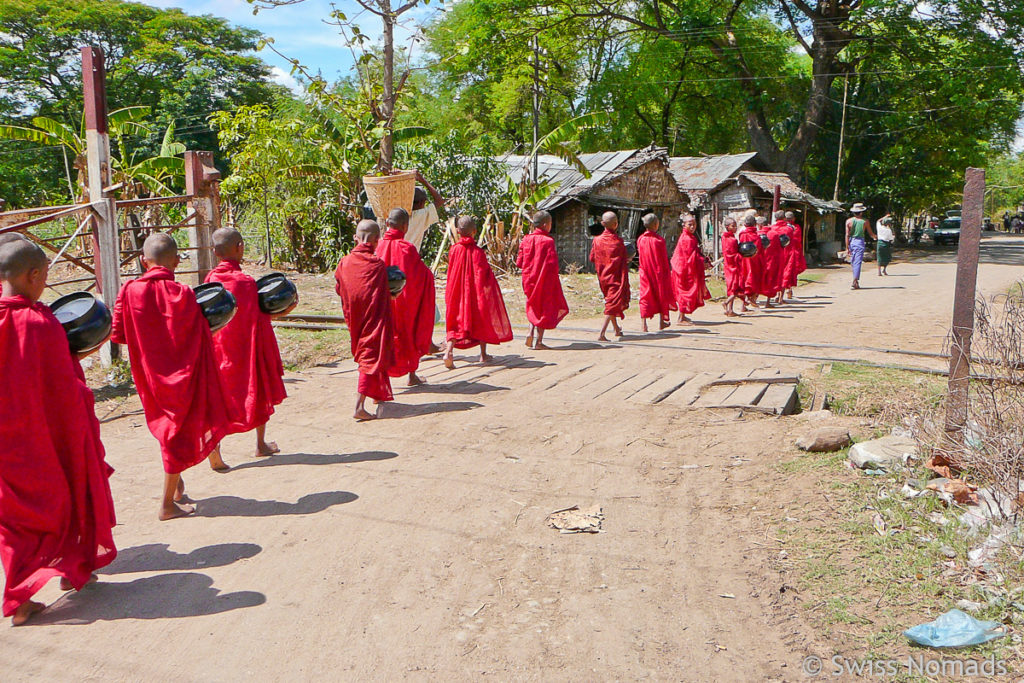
(416, 546)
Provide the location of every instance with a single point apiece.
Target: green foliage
(181, 67)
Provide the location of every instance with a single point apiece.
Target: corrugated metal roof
(703, 173)
(788, 189)
(603, 167)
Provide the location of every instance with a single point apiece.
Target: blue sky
(298, 30)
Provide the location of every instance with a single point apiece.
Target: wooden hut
(630, 183)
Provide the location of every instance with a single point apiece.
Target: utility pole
(842, 134)
(536, 107)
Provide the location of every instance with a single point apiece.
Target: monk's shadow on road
(585, 346)
(883, 287)
(156, 557)
(233, 506)
(397, 411)
(166, 596)
(316, 459)
(455, 387)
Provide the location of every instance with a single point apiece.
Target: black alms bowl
(765, 240)
(276, 293)
(396, 280)
(217, 303)
(630, 249)
(747, 249)
(85, 318)
(784, 240)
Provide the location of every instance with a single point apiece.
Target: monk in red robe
(781, 228)
(362, 284)
(474, 308)
(732, 267)
(414, 307)
(608, 254)
(56, 511)
(174, 367)
(772, 261)
(798, 262)
(691, 291)
(751, 268)
(538, 261)
(656, 295)
(251, 371)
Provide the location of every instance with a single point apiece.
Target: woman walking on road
(885, 239)
(856, 227)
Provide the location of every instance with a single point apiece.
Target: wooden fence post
(963, 304)
(106, 241)
(202, 184)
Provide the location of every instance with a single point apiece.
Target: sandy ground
(416, 546)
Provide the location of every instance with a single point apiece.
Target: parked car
(948, 231)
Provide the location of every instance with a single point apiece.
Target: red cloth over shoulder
(656, 294)
(732, 265)
(771, 277)
(751, 268)
(56, 511)
(801, 258)
(691, 290)
(538, 261)
(173, 365)
(474, 308)
(608, 254)
(362, 284)
(251, 371)
(414, 307)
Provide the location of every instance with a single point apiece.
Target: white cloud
(284, 78)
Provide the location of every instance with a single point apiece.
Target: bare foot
(25, 611)
(485, 358)
(434, 348)
(731, 314)
(687, 322)
(362, 416)
(267, 448)
(217, 463)
(65, 585)
(414, 381)
(602, 338)
(664, 323)
(541, 346)
(644, 328)
(174, 511)
(449, 362)
(529, 341)
(179, 491)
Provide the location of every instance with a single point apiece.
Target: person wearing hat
(856, 227)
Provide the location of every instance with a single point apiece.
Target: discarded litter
(955, 628)
(573, 520)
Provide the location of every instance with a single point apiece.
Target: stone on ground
(885, 453)
(824, 440)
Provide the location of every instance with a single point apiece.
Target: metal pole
(963, 304)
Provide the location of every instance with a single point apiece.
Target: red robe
(414, 307)
(656, 295)
(362, 284)
(251, 371)
(538, 261)
(801, 257)
(732, 265)
(474, 308)
(608, 254)
(773, 261)
(751, 268)
(173, 365)
(56, 511)
(688, 274)
(797, 262)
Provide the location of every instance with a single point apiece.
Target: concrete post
(202, 183)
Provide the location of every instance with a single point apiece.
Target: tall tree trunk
(387, 109)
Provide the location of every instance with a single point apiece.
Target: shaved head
(398, 219)
(730, 221)
(367, 232)
(160, 249)
(609, 217)
(779, 215)
(12, 237)
(650, 221)
(18, 257)
(225, 240)
(749, 220)
(466, 225)
(760, 220)
(790, 215)
(540, 219)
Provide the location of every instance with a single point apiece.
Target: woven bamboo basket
(390, 192)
